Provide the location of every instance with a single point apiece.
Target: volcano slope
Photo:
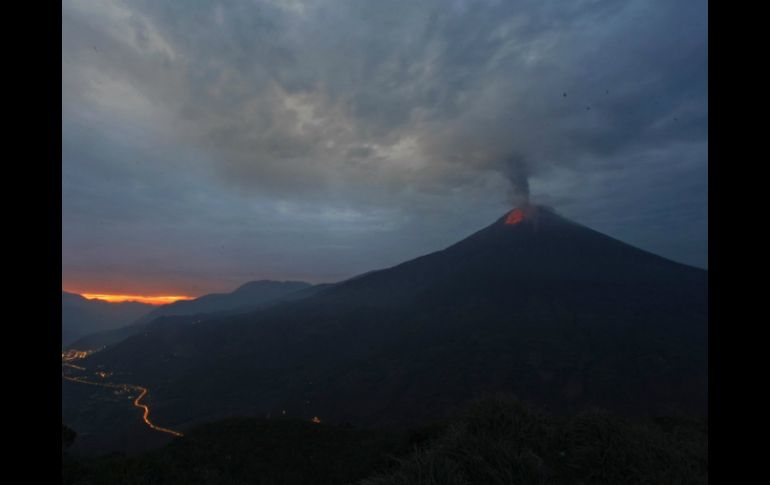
(534, 305)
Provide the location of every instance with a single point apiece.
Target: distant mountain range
(247, 297)
(534, 304)
(81, 316)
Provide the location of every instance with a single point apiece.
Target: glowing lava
(515, 216)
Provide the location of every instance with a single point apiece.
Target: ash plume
(516, 170)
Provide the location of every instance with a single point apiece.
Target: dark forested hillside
(545, 308)
(494, 441)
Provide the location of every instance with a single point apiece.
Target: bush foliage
(496, 440)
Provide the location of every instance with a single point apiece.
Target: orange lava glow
(150, 300)
(515, 216)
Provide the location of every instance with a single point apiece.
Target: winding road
(125, 387)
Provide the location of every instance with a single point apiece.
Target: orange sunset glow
(150, 300)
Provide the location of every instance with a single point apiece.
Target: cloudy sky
(206, 144)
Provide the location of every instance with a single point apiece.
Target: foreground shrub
(502, 441)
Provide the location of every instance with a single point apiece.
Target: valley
(74, 373)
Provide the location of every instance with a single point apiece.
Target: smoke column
(516, 170)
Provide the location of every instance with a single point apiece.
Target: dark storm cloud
(422, 119)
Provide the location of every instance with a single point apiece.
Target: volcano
(534, 305)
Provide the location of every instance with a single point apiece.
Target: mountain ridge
(248, 294)
(252, 294)
(545, 308)
(82, 316)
